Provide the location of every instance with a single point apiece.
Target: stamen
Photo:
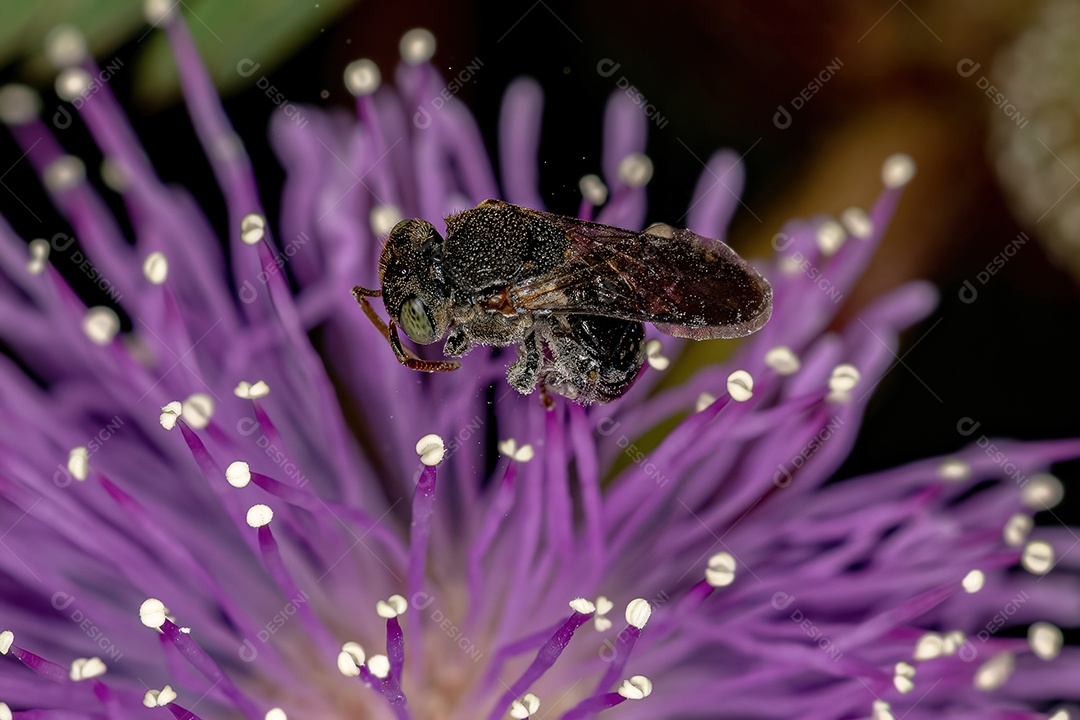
(638, 612)
(6, 639)
(857, 222)
(637, 687)
(159, 11)
(995, 672)
(251, 391)
(197, 410)
(830, 237)
(928, 647)
(252, 228)
(417, 46)
(362, 77)
(954, 470)
(1045, 640)
(78, 463)
(1017, 529)
(156, 268)
(704, 400)
(72, 83)
(392, 607)
(431, 449)
(65, 45)
(379, 666)
(740, 385)
(897, 170)
(510, 449)
(86, 668)
(153, 613)
(902, 677)
(64, 173)
(39, 256)
(603, 607)
(547, 655)
(170, 414)
(259, 516)
(276, 714)
(383, 218)
(653, 350)
(1043, 492)
(593, 189)
(238, 474)
(973, 582)
(5, 712)
(101, 324)
(1038, 557)
(19, 104)
(635, 170)
(782, 360)
(159, 698)
(526, 707)
(721, 570)
(882, 711)
(350, 659)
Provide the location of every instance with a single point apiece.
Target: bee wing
(686, 285)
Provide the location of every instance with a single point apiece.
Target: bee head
(413, 288)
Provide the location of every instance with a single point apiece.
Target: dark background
(716, 71)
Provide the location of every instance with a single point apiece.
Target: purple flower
(235, 525)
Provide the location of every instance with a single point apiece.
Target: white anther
(159, 698)
(379, 665)
(1042, 492)
(101, 324)
(844, 378)
(170, 414)
(417, 46)
(159, 11)
(6, 639)
(65, 45)
(392, 607)
(1017, 529)
(238, 474)
(993, 673)
(431, 449)
(637, 687)
(857, 222)
(275, 714)
(86, 668)
(252, 228)
(583, 606)
(653, 352)
(600, 620)
(362, 77)
(830, 237)
(1045, 640)
(39, 256)
(973, 582)
(18, 104)
(64, 173)
(902, 677)
(1062, 714)
(197, 410)
(897, 170)
(791, 265)
(720, 571)
(954, 470)
(155, 267)
(5, 712)
(383, 218)
(1038, 557)
(152, 613)
(78, 463)
(740, 386)
(638, 612)
(251, 391)
(350, 659)
(882, 711)
(355, 651)
(928, 647)
(782, 360)
(72, 83)
(113, 175)
(704, 400)
(259, 515)
(510, 449)
(593, 189)
(635, 170)
(526, 707)
(952, 642)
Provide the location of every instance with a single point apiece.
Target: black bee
(571, 294)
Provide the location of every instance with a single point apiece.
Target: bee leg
(404, 357)
(524, 372)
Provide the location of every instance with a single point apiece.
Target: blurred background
(984, 94)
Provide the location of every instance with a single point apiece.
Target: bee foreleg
(524, 372)
(404, 357)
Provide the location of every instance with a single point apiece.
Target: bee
(571, 295)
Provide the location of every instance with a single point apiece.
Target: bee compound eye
(415, 320)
